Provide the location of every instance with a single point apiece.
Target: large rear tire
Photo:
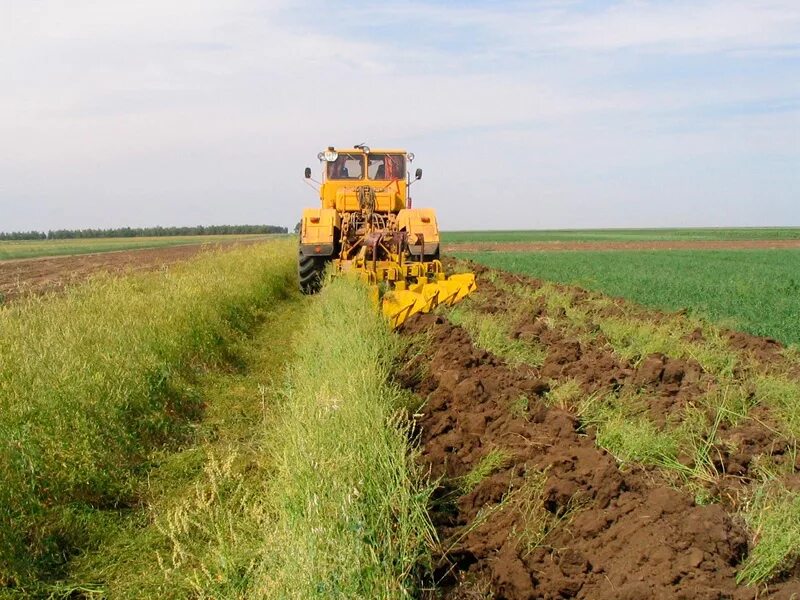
(309, 271)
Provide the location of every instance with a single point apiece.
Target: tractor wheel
(309, 270)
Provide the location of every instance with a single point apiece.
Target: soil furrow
(551, 514)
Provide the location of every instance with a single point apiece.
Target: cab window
(386, 166)
(347, 166)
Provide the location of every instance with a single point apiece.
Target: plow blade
(455, 288)
(398, 305)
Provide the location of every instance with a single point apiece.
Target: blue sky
(522, 114)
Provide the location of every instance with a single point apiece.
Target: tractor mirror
(418, 174)
(308, 173)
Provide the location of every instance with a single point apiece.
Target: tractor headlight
(329, 155)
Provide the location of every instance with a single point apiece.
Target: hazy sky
(544, 114)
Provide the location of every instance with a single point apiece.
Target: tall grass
(624, 429)
(203, 507)
(349, 505)
(319, 497)
(783, 394)
(91, 382)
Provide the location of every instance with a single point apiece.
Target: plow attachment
(403, 302)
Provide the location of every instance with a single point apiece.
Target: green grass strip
(90, 383)
(350, 506)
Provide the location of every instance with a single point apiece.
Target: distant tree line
(23, 235)
(68, 234)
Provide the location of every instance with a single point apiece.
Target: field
(625, 235)
(37, 248)
(590, 448)
(38, 275)
(197, 428)
(757, 291)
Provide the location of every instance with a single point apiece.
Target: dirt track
(611, 533)
(49, 274)
(599, 246)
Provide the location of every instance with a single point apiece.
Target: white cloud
(676, 26)
(117, 113)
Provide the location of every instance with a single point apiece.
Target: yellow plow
(422, 297)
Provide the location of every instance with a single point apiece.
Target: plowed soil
(595, 246)
(41, 275)
(604, 532)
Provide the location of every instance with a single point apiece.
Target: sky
(522, 115)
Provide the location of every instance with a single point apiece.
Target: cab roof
(371, 150)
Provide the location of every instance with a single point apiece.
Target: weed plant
(566, 394)
(774, 516)
(495, 459)
(634, 339)
(624, 430)
(783, 395)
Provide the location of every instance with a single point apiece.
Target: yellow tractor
(366, 226)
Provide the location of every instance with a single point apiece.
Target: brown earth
(606, 531)
(20, 277)
(670, 384)
(595, 246)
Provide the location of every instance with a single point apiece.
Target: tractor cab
(347, 171)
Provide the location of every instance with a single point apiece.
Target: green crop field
(757, 291)
(625, 235)
(40, 248)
